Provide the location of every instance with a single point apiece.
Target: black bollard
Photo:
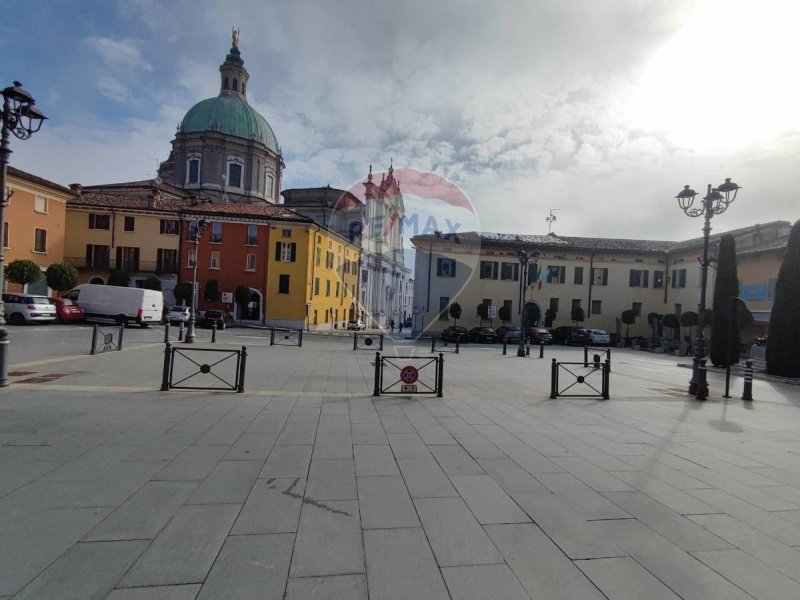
(528, 349)
(381, 343)
(440, 383)
(586, 356)
(300, 338)
(180, 332)
(747, 393)
(272, 337)
(554, 379)
(541, 349)
(94, 339)
(596, 361)
(458, 343)
(702, 391)
(505, 345)
(166, 333)
(376, 390)
(119, 338)
(355, 340)
(166, 370)
(213, 332)
(242, 366)
(433, 342)
(606, 371)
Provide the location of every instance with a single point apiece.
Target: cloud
(123, 52)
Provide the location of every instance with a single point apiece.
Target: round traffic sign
(409, 374)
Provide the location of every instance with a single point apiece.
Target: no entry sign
(409, 374)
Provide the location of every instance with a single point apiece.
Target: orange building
(34, 223)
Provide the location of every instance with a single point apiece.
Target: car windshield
(39, 300)
(599, 332)
(213, 314)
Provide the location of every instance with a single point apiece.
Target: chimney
(77, 188)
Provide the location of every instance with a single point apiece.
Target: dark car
(570, 336)
(222, 319)
(484, 335)
(510, 333)
(455, 333)
(539, 335)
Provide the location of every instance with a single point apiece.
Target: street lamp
(523, 256)
(715, 202)
(199, 230)
(23, 119)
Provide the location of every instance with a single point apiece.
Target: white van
(121, 304)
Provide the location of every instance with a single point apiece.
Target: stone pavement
(307, 487)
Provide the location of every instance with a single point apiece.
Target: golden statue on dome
(235, 37)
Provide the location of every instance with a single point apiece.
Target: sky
(601, 109)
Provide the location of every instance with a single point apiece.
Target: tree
(455, 311)
(673, 323)
(577, 315)
(119, 278)
(725, 320)
(61, 277)
(212, 293)
(483, 312)
(550, 317)
(629, 318)
(690, 319)
(152, 283)
(783, 342)
(504, 313)
(242, 295)
(23, 271)
(183, 293)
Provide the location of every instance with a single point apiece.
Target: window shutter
(605, 276)
(645, 278)
(452, 268)
(294, 251)
(633, 278)
(277, 251)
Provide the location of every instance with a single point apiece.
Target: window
(329, 260)
(316, 286)
(214, 260)
(129, 224)
(169, 227)
(285, 251)
(270, 186)
(40, 204)
(597, 307)
(638, 278)
(286, 233)
(327, 287)
(554, 304)
(283, 284)
(99, 221)
(234, 175)
(509, 305)
(5, 235)
(250, 262)
(576, 303)
(600, 276)
(679, 278)
(166, 260)
(636, 307)
(556, 274)
(216, 233)
(193, 169)
(252, 235)
(678, 309)
(444, 304)
(337, 289)
(190, 258)
(578, 277)
(98, 257)
(318, 256)
(445, 267)
(509, 271)
(39, 240)
(127, 258)
(364, 276)
(488, 269)
(658, 279)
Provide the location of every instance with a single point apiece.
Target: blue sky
(602, 109)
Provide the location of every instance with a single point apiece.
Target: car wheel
(121, 320)
(17, 319)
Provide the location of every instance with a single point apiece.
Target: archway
(97, 281)
(532, 314)
(251, 311)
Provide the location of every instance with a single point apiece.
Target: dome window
(270, 186)
(235, 173)
(235, 85)
(225, 84)
(193, 169)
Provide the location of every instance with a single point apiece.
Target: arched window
(243, 88)
(235, 178)
(225, 84)
(270, 186)
(235, 85)
(193, 168)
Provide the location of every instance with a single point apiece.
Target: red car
(67, 311)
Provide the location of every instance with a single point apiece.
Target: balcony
(142, 266)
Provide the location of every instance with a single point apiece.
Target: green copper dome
(230, 115)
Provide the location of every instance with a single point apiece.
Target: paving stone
(455, 536)
(625, 579)
(222, 433)
(145, 513)
(229, 482)
(250, 566)
(384, 503)
(454, 460)
(433, 433)
(496, 434)
(196, 462)
(530, 460)
(510, 476)
(591, 475)
(368, 433)
(400, 565)
(287, 461)
(753, 576)
(477, 446)
(487, 501)
(333, 445)
(539, 564)
(583, 499)
(165, 592)
(408, 445)
(483, 581)
(85, 572)
(298, 434)
(674, 477)
(542, 444)
(679, 501)
(335, 587)
(424, 478)
(252, 446)
(273, 506)
(396, 424)
(328, 540)
(332, 480)
(267, 423)
(364, 415)
(185, 550)
(374, 461)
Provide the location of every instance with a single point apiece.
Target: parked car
(120, 304)
(484, 335)
(539, 335)
(66, 310)
(176, 314)
(355, 324)
(222, 319)
(511, 333)
(599, 337)
(570, 336)
(24, 308)
(455, 333)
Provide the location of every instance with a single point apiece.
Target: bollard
(606, 371)
(242, 366)
(300, 338)
(440, 383)
(94, 339)
(586, 356)
(608, 358)
(702, 391)
(166, 370)
(458, 342)
(541, 349)
(180, 332)
(213, 332)
(433, 342)
(505, 344)
(528, 348)
(376, 390)
(596, 361)
(355, 341)
(747, 393)
(272, 337)
(166, 333)
(119, 340)
(554, 380)
(381, 343)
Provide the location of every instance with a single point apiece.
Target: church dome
(231, 115)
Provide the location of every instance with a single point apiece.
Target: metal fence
(575, 380)
(367, 341)
(404, 375)
(285, 337)
(106, 338)
(598, 355)
(203, 369)
(439, 345)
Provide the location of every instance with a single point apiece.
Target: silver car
(24, 308)
(599, 337)
(177, 314)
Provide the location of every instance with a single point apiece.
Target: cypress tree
(783, 343)
(723, 317)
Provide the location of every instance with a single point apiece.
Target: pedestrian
(400, 327)
(391, 325)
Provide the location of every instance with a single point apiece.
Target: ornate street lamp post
(715, 202)
(23, 119)
(200, 229)
(524, 257)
